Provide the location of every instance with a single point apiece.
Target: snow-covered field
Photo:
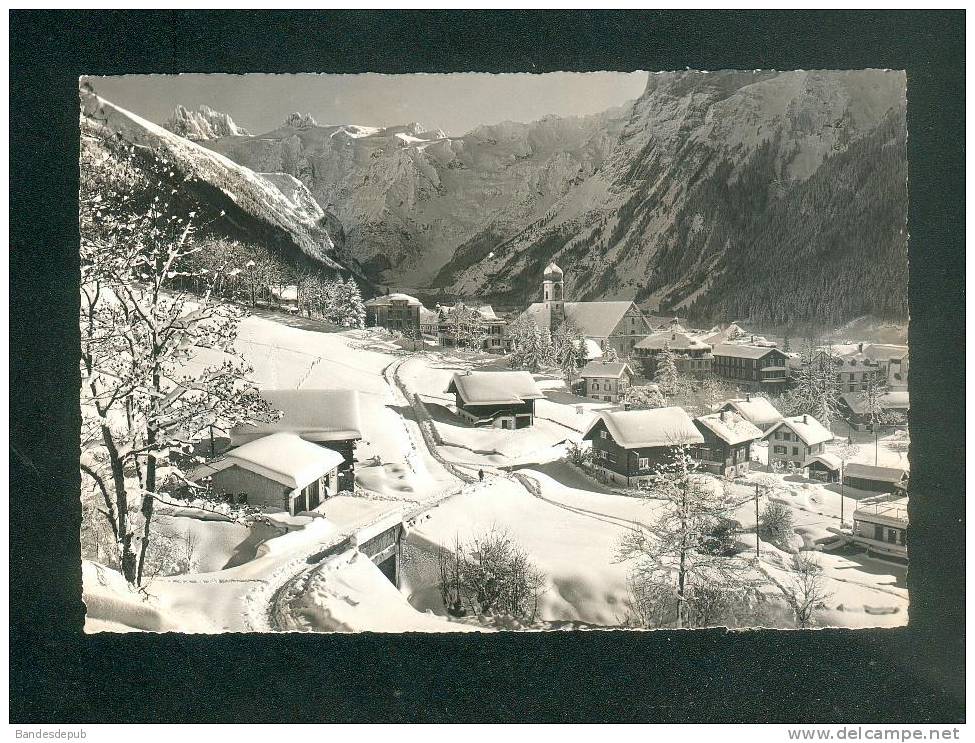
(261, 578)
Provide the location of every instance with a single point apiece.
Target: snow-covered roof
(428, 315)
(317, 415)
(553, 270)
(871, 472)
(285, 458)
(893, 400)
(890, 512)
(672, 339)
(633, 429)
(395, 297)
(756, 410)
(885, 351)
(495, 388)
(592, 349)
(605, 369)
(807, 428)
(830, 460)
(742, 351)
(729, 427)
(592, 319)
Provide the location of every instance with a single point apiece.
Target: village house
(881, 527)
(728, 438)
(606, 381)
(854, 370)
(873, 478)
(429, 322)
(612, 325)
(629, 446)
(892, 360)
(691, 356)
(499, 399)
(280, 471)
(793, 441)
(399, 312)
(859, 411)
(757, 367)
(327, 418)
(458, 324)
(755, 409)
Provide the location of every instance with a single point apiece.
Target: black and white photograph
(486, 367)
(480, 353)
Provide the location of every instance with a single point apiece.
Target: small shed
(882, 526)
(873, 478)
(280, 471)
(824, 467)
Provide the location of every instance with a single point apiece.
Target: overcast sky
(455, 103)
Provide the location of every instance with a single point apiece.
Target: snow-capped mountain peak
(203, 123)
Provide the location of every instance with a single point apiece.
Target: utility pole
(842, 467)
(211, 441)
(758, 549)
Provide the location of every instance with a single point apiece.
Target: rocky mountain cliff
(776, 197)
(204, 123)
(772, 197)
(408, 197)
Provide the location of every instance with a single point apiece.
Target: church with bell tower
(617, 325)
(553, 293)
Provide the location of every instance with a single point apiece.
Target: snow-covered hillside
(569, 525)
(272, 209)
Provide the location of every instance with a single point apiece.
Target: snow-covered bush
(490, 575)
(578, 454)
(776, 524)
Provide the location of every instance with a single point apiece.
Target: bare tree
(158, 365)
(807, 591)
(492, 575)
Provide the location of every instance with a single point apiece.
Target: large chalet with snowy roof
(326, 418)
(728, 439)
(281, 471)
(499, 399)
(399, 312)
(691, 356)
(795, 441)
(629, 446)
(756, 367)
(617, 325)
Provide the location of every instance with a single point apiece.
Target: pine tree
(666, 375)
(676, 550)
(350, 309)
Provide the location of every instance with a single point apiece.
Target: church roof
(592, 319)
(552, 270)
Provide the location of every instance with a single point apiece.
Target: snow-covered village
(639, 367)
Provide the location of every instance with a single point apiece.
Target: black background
(911, 674)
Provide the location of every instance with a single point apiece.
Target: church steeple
(553, 294)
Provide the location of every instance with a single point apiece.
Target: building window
(603, 435)
(795, 451)
(780, 449)
(644, 463)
